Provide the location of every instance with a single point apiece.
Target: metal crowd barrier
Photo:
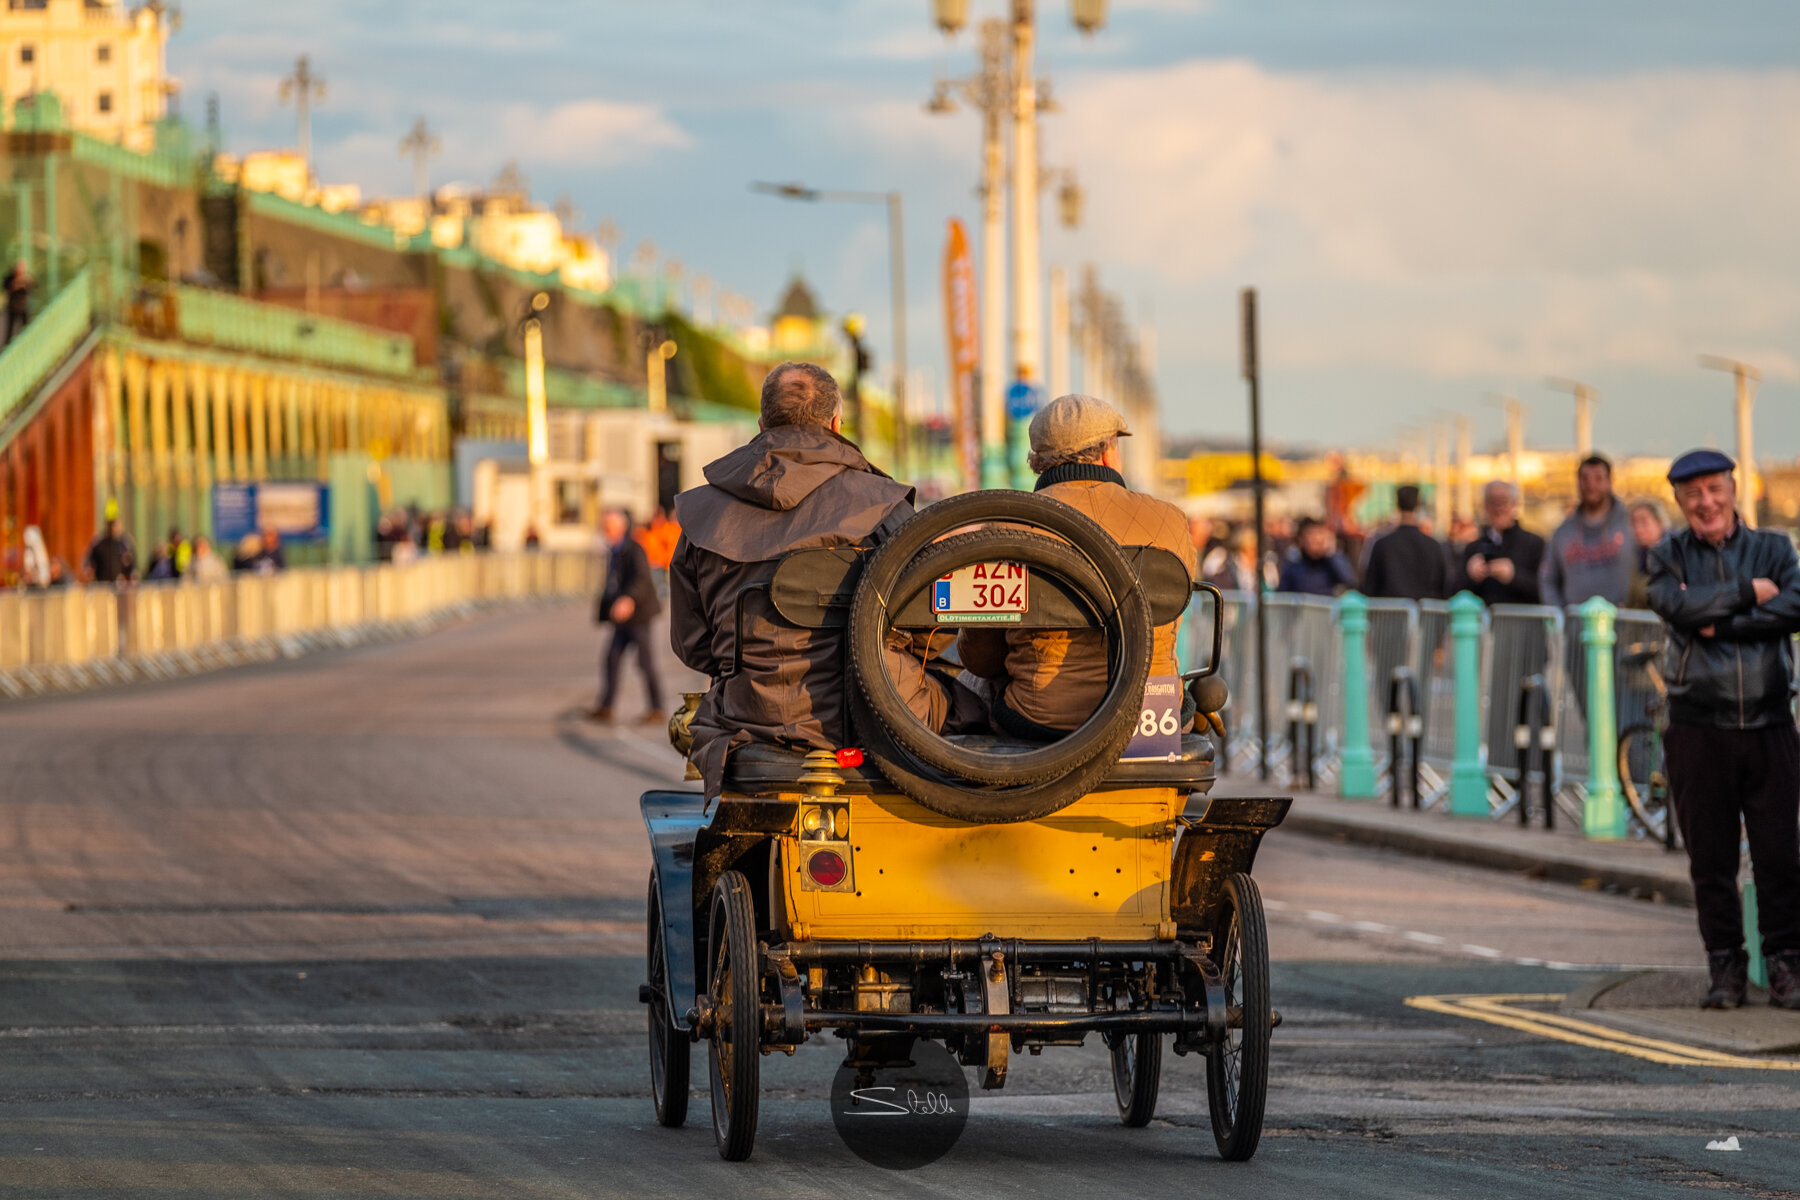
(1523, 705)
(1390, 648)
(1436, 684)
(1529, 757)
(76, 626)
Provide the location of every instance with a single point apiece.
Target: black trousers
(1717, 778)
(624, 637)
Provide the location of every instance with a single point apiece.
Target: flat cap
(1070, 423)
(1696, 463)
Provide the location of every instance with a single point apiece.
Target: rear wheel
(735, 989)
(669, 1046)
(1237, 1068)
(1137, 1073)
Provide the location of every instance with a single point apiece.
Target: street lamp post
(1745, 376)
(1027, 298)
(1516, 412)
(1010, 86)
(303, 87)
(537, 415)
(656, 377)
(420, 144)
(1585, 395)
(986, 92)
(897, 280)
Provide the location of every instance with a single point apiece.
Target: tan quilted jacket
(1057, 677)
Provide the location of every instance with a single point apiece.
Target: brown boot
(1730, 978)
(1784, 979)
(601, 713)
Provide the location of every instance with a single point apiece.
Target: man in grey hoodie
(1592, 552)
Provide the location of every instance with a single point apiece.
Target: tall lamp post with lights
(897, 281)
(537, 409)
(1009, 86)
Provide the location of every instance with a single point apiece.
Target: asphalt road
(369, 924)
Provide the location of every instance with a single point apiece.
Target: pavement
(1638, 867)
(369, 924)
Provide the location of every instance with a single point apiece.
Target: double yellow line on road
(1508, 1009)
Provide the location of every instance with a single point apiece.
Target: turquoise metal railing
(42, 345)
(232, 322)
(336, 224)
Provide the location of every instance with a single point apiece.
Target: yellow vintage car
(992, 895)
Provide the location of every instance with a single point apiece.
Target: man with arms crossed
(1730, 596)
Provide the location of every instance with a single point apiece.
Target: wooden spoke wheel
(669, 1046)
(1237, 1068)
(735, 988)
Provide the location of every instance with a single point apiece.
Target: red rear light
(849, 757)
(826, 868)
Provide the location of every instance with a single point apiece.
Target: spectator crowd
(1601, 548)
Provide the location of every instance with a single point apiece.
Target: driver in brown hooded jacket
(798, 484)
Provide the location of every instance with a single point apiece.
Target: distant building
(798, 329)
(104, 62)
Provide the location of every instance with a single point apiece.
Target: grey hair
(1087, 454)
(1512, 492)
(1653, 507)
(800, 393)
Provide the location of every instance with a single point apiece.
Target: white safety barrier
(51, 640)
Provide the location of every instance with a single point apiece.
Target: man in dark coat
(18, 299)
(1730, 596)
(1406, 563)
(110, 557)
(1501, 564)
(628, 600)
(1315, 566)
(797, 484)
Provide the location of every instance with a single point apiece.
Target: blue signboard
(299, 510)
(234, 511)
(1023, 399)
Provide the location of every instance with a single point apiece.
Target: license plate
(985, 593)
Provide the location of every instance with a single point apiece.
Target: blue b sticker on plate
(940, 600)
(1158, 732)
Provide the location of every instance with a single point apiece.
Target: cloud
(596, 133)
(1457, 224)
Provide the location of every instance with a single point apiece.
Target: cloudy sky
(1438, 200)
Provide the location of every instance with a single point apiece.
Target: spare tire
(1031, 783)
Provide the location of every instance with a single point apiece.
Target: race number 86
(1151, 723)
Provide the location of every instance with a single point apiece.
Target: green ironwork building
(187, 332)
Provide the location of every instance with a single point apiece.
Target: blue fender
(674, 820)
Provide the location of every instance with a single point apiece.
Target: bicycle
(1643, 771)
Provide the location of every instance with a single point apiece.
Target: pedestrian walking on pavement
(1406, 563)
(1501, 564)
(628, 602)
(1730, 597)
(1590, 554)
(18, 298)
